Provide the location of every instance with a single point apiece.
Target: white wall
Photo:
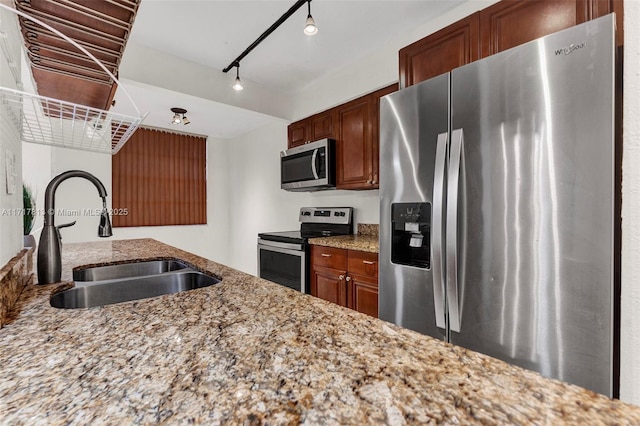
(10, 204)
(257, 204)
(630, 327)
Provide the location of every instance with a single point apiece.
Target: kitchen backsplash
(14, 276)
(368, 229)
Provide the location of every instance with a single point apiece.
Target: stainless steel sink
(124, 290)
(127, 270)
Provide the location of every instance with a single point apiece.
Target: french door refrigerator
(497, 206)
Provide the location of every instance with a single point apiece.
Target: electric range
(283, 257)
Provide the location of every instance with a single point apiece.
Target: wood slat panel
(160, 178)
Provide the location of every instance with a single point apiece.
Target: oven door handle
(290, 246)
(294, 249)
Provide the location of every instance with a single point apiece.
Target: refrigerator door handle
(437, 229)
(457, 141)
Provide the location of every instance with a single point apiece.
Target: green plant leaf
(29, 213)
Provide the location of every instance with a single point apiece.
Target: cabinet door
(363, 295)
(299, 133)
(453, 46)
(323, 125)
(375, 130)
(329, 284)
(354, 168)
(507, 24)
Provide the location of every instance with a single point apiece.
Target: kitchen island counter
(250, 351)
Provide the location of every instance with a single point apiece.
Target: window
(160, 178)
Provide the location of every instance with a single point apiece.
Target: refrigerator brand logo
(570, 49)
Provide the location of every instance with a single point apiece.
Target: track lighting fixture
(309, 29)
(310, 25)
(237, 85)
(179, 116)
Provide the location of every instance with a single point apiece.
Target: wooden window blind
(160, 178)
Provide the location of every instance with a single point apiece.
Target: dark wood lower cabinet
(364, 295)
(329, 284)
(355, 287)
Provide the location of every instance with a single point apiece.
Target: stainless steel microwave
(309, 167)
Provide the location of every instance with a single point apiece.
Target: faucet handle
(66, 225)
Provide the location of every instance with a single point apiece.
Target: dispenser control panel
(411, 240)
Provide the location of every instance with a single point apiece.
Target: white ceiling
(206, 117)
(213, 33)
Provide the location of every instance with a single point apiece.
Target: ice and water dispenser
(411, 239)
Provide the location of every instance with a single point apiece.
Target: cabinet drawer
(329, 257)
(363, 263)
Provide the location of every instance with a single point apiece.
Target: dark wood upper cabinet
(354, 168)
(323, 125)
(318, 126)
(499, 27)
(354, 125)
(453, 46)
(299, 133)
(375, 129)
(510, 23)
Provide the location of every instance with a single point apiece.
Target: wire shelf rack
(48, 121)
(54, 122)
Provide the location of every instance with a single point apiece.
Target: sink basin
(125, 290)
(127, 270)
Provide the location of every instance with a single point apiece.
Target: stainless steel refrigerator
(497, 206)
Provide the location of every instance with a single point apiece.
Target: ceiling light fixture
(237, 85)
(310, 25)
(179, 116)
(310, 29)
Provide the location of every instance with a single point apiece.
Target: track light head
(185, 120)
(310, 25)
(237, 84)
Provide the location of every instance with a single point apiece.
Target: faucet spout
(50, 246)
(104, 228)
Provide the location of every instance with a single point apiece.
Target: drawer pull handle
(325, 255)
(368, 262)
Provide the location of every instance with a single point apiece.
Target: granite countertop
(250, 351)
(359, 242)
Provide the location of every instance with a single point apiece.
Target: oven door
(283, 263)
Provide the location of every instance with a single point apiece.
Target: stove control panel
(335, 215)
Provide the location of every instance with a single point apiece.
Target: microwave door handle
(314, 168)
